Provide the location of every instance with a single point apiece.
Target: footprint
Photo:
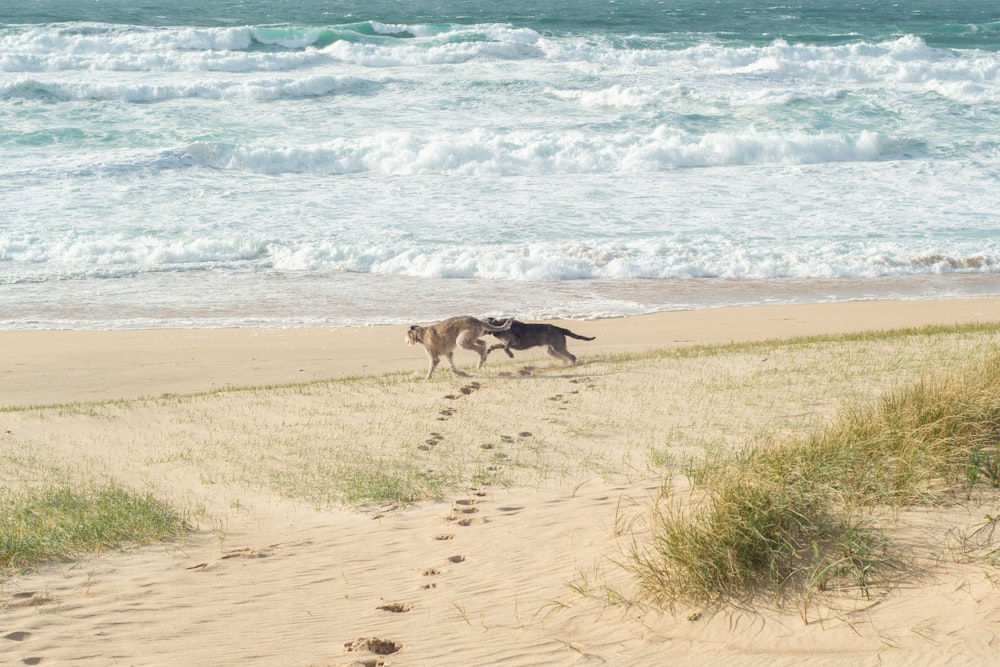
(469, 501)
(430, 572)
(373, 645)
(395, 607)
(431, 441)
(451, 397)
(524, 434)
(456, 559)
(465, 523)
(445, 536)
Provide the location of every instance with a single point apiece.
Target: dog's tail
(490, 327)
(577, 336)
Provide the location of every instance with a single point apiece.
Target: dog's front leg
(434, 362)
(454, 368)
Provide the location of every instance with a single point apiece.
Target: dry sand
(58, 366)
(557, 469)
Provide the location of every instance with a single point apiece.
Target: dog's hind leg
(480, 347)
(560, 352)
(470, 342)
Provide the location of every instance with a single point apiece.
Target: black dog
(521, 336)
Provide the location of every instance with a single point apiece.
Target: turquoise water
(954, 24)
(286, 163)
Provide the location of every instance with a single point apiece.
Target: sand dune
(547, 474)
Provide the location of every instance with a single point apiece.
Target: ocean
(285, 163)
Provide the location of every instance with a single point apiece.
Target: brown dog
(522, 335)
(441, 339)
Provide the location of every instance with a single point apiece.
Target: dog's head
(414, 335)
(498, 328)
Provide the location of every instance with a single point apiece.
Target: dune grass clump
(752, 533)
(60, 522)
(797, 516)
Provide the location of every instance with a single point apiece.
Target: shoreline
(284, 301)
(59, 366)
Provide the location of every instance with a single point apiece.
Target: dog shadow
(578, 371)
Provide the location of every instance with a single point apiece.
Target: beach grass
(798, 516)
(59, 522)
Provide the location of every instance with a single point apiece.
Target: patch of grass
(754, 536)
(337, 482)
(93, 407)
(765, 346)
(61, 522)
(797, 516)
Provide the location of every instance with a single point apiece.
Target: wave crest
(653, 258)
(528, 153)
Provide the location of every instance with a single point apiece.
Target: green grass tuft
(797, 516)
(60, 522)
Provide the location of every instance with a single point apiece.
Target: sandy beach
(40, 367)
(547, 474)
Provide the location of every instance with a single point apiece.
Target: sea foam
(525, 153)
(29, 259)
(325, 169)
